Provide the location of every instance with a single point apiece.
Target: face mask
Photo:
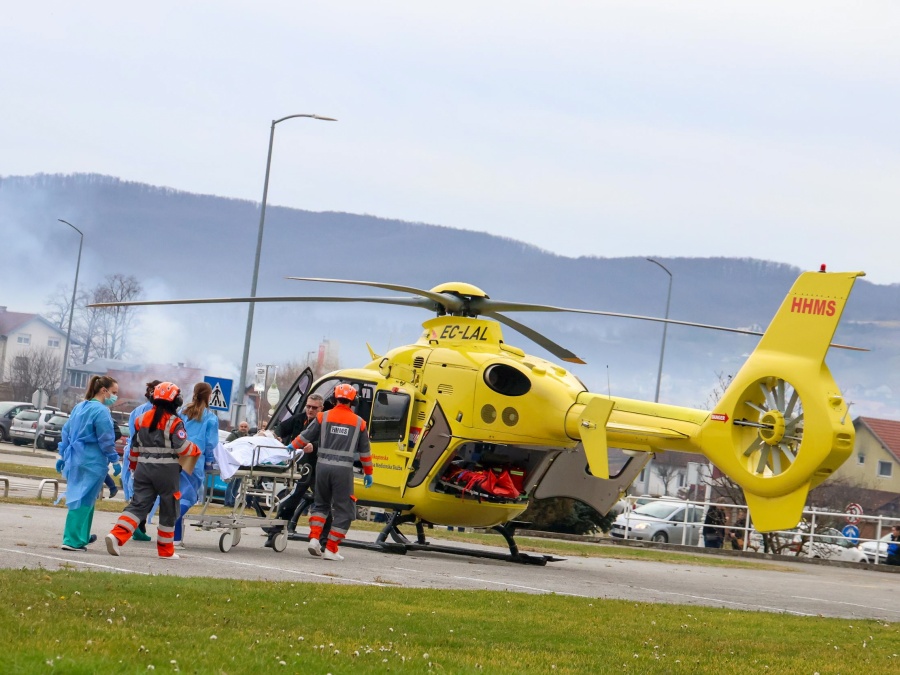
(111, 400)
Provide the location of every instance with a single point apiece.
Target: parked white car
(869, 549)
(830, 544)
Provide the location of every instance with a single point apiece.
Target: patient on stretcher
(260, 450)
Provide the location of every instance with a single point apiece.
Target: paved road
(30, 537)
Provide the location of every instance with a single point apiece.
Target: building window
(53, 342)
(78, 380)
(643, 476)
(860, 458)
(23, 338)
(885, 469)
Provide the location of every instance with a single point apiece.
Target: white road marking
(851, 604)
(649, 590)
(527, 588)
(282, 569)
(406, 569)
(76, 562)
(727, 602)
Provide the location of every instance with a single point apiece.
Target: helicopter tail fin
(782, 426)
(592, 429)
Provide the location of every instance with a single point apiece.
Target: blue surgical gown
(204, 433)
(87, 446)
(127, 473)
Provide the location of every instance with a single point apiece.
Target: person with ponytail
(86, 449)
(202, 427)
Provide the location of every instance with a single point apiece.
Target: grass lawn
(98, 622)
(29, 470)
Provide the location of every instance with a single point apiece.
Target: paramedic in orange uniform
(159, 442)
(340, 436)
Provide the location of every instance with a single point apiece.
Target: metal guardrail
(797, 538)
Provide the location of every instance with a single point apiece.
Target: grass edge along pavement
(89, 622)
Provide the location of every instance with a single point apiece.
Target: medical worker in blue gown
(140, 534)
(86, 449)
(202, 427)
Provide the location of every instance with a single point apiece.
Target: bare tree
(39, 369)
(667, 473)
(98, 331)
(116, 322)
(59, 304)
(289, 372)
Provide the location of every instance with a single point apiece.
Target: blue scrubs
(127, 473)
(87, 446)
(204, 433)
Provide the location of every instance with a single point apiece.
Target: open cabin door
(389, 435)
(292, 401)
(568, 476)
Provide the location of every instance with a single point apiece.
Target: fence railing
(812, 537)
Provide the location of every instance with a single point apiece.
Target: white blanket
(250, 451)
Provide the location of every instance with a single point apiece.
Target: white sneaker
(329, 555)
(314, 547)
(112, 544)
(174, 556)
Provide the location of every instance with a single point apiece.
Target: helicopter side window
(364, 393)
(389, 414)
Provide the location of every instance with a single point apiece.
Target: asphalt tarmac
(30, 536)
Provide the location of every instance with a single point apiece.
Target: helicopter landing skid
(401, 544)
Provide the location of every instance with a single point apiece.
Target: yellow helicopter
(461, 404)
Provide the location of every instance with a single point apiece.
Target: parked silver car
(8, 410)
(662, 521)
(28, 426)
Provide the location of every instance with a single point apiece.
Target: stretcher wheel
(226, 541)
(280, 542)
(235, 536)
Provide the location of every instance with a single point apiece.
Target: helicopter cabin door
(389, 435)
(291, 402)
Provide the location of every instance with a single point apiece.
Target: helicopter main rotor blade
(558, 351)
(449, 302)
(406, 302)
(488, 306)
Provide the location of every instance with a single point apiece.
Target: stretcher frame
(252, 486)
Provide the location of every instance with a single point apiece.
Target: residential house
(875, 462)
(21, 335)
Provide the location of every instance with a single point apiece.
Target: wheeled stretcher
(263, 485)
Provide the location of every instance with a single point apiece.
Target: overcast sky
(759, 129)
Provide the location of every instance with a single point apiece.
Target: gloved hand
(367, 481)
(60, 465)
(117, 469)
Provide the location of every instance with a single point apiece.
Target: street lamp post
(259, 240)
(65, 361)
(662, 351)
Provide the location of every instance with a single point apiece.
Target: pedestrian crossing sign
(220, 399)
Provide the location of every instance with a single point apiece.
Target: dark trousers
(713, 540)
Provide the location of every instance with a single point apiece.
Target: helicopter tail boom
(782, 426)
